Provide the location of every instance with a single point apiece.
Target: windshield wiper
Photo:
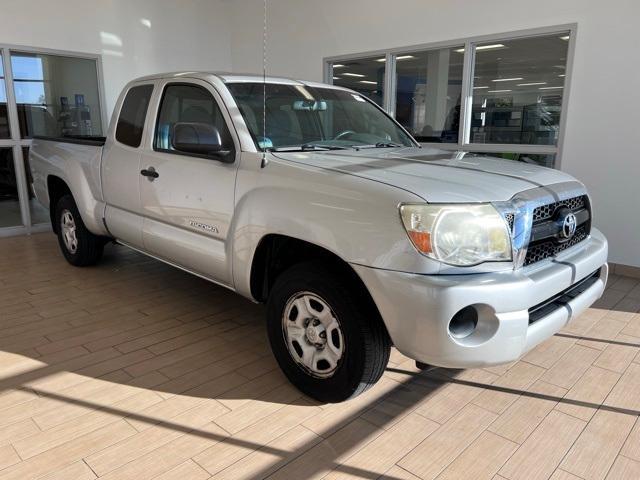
(307, 147)
(379, 145)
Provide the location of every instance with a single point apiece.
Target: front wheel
(329, 342)
(79, 246)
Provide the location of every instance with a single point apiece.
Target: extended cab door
(188, 202)
(121, 166)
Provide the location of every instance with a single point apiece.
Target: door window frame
(17, 143)
(215, 95)
(469, 43)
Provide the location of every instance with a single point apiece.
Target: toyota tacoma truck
(311, 199)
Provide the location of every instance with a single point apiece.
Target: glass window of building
(5, 132)
(517, 90)
(428, 91)
(365, 76)
(56, 95)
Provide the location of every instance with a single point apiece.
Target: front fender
(357, 219)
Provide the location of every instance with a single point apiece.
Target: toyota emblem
(569, 225)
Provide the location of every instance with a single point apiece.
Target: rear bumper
(417, 309)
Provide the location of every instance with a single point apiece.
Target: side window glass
(188, 104)
(134, 110)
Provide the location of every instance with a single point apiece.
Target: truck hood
(433, 174)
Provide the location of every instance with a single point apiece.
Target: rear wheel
(79, 246)
(328, 341)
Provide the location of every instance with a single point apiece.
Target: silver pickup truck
(323, 207)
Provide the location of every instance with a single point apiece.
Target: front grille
(561, 299)
(545, 243)
(545, 212)
(551, 248)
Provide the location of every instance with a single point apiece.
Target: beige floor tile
(317, 461)
(440, 448)
(631, 446)
(67, 453)
(626, 393)
(261, 463)
(548, 353)
(519, 377)
(624, 469)
(226, 453)
(482, 459)
(449, 399)
(571, 366)
(138, 445)
(398, 473)
(616, 357)
(188, 470)
(562, 475)
(382, 453)
(76, 471)
(588, 393)
(526, 413)
(598, 445)
(545, 448)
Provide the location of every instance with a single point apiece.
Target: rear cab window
(132, 115)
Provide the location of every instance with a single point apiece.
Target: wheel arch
(56, 189)
(276, 253)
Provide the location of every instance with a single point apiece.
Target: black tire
(89, 246)
(366, 342)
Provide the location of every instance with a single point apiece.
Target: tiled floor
(135, 370)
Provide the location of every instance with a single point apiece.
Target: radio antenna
(264, 161)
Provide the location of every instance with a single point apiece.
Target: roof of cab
(228, 77)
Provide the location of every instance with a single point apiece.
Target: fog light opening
(464, 322)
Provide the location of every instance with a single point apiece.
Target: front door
(121, 167)
(189, 199)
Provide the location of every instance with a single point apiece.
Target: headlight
(458, 234)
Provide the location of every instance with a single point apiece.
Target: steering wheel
(343, 134)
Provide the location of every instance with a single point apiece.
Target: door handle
(150, 173)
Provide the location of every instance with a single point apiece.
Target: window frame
(220, 106)
(469, 43)
(15, 140)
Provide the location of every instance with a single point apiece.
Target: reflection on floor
(136, 370)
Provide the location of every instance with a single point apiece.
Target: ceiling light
(404, 57)
(483, 47)
(561, 75)
(566, 37)
(336, 78)
(532, 83)
(337, 65)
(383, 59)
(359, 75)
(549, 88)
(507, 79)
(498, 91)
(478, 88)
(369, 82)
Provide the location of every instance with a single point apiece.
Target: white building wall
(601, 145)
(134, 37)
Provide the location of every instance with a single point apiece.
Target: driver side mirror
(199, 139)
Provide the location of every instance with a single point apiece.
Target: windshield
(306, 117)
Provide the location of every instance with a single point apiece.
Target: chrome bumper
(417, 309)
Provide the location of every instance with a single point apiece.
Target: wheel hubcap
(68, 226)
(312, 334)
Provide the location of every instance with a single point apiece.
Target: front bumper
(417, 309)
